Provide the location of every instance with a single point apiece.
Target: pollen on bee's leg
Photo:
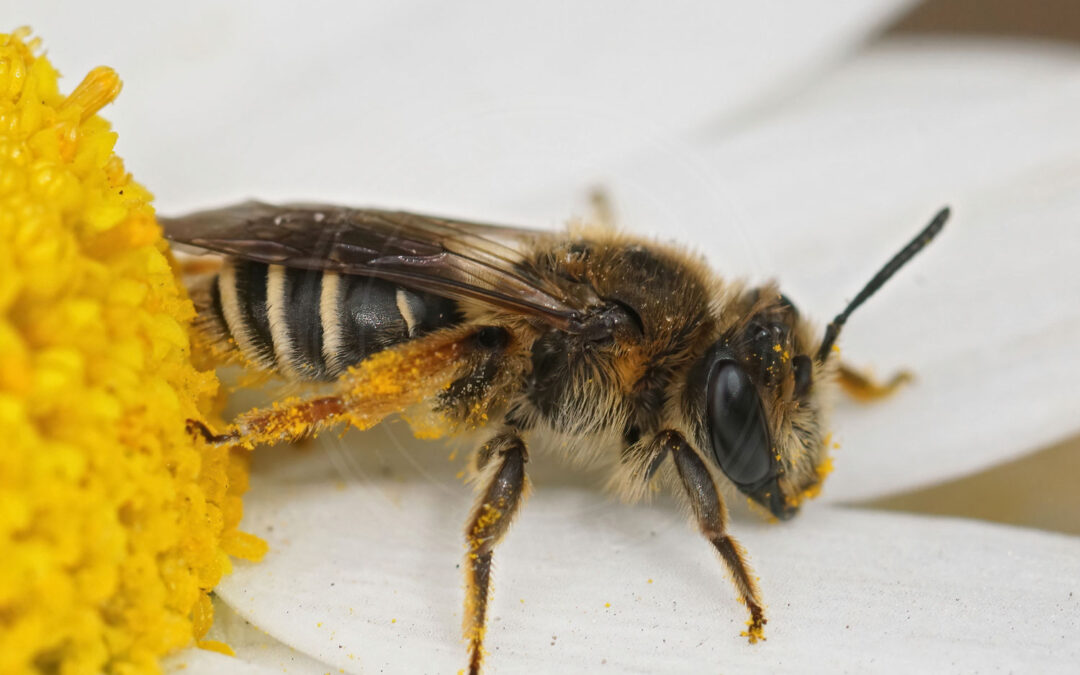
(289, 420)
(499, 501)
(755, 627)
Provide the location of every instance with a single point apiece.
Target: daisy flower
(114, 526)
(778, 140)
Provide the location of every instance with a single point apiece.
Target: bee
(631, 349)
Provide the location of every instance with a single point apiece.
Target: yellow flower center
(114, 525)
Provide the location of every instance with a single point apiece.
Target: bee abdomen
(362, 316)
(314, 325)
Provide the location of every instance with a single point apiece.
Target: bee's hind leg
(381, 385)
(200, 430)
(288, 421)
(501, 462)
(711, 517)
(862, 387)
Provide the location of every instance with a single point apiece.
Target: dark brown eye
(803, 370)
(737, 429)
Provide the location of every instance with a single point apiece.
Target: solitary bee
(624, 346)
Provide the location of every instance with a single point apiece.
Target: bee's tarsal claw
(197, 428)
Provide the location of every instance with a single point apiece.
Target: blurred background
(1039, 490)
(1052, 19)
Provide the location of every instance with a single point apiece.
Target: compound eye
(737, 429)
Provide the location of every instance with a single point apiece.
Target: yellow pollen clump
(114, 525)
(814, 489)
(754, 632)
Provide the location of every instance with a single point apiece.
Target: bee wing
(455, 259)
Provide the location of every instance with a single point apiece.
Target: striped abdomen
(314, 325)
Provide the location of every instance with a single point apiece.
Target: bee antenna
(832, 331)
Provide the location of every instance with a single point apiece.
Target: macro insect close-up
(576, 336)
(418, 337)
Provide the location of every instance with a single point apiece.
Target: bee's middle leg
(502, 460)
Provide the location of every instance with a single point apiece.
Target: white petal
(823, 192)
(419, 103)
(256, 652)
(582, 583)
(203, 662)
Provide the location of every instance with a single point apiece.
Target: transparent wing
(455, 259)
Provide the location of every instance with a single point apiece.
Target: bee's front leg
(863, 387)
(712, 520)
(502, 464)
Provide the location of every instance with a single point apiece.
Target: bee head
(760, 411)
(762, 389)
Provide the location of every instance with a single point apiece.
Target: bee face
(758, 394)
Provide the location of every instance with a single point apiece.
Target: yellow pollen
(115, 525)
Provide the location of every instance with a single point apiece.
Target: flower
(114, 526)
(767, 140)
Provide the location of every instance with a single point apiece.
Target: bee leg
(383, 384)
(712, 520)
(197, 428)
(503, 493)
(288, 421)
(865, 388)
